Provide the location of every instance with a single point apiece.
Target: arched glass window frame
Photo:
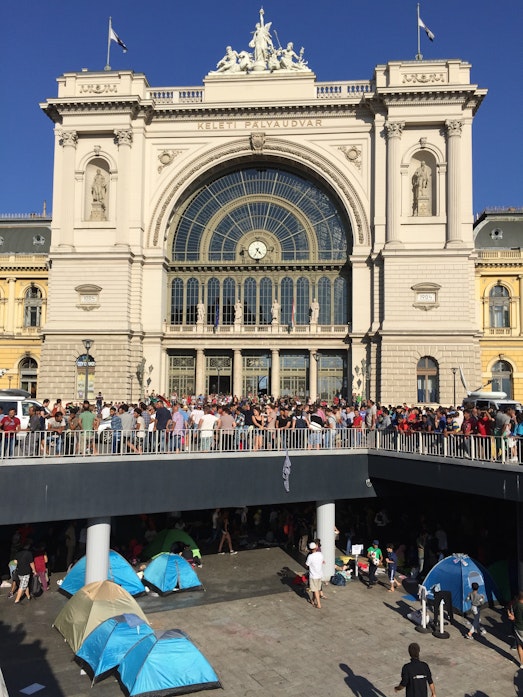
(192, 298)
(502, 376)
(249, 301)
(324, 300)
(228, 300)
(427, 380)
(265, 315)
(33, 301)
(213, 301)
(177, 301)
(302, 300)
(287, 301)
(499, 307)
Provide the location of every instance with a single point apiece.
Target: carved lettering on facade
(424, 78)
(262, 124)
(98, 89)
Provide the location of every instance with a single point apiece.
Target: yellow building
(499, 283)
(24, 253)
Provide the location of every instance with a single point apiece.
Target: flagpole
(107, 65)
(419, 57)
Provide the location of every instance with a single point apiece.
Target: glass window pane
(213, 302)
(324, 299)
(228, 301)
(302, 301)
(249, 301)
(193, 291)
(177, 301)
(286, 301)
(265, 301)
(340, 301)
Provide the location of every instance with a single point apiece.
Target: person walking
(415, 676)
(515, 614)
(226, 535)
(375, 557)
(391, 559)
(476, 600)
(315, 562)
(25, 567)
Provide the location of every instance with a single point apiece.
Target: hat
(375, 542)
(312, 545)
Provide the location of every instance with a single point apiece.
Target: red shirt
(10, 424)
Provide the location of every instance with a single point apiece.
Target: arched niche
(423, 184)
(97, 183)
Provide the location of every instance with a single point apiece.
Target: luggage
(35, 586)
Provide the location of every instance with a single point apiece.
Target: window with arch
(499, 307)
(249, 301)
(265, 301)
(228, 300)
(427, 378)
(177, 301)
(213, 302)
(193, 292)
(28, 371)
(302, 301)
(502, 378)
(287, 301)
(33, 307)
(340, 301)
(324, 300)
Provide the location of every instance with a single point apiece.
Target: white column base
(97, 549)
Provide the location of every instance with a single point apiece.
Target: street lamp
(317, 355)
(454, 371)
(87, 344)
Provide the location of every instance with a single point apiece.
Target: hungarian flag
(114, 37)
(422, 24)
(217, 315)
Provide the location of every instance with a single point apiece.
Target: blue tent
(169, 572)
(168, 665)
(456, 574)
(104, 648)
(120, 571)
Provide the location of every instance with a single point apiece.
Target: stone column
(68, 140)
(200, 372)
(237, 373)
(325, 522)
(393, 131)
(275, 373)
(124, 138)
(454, 182)
(313, 376)
(11, 306)
(97, 549)
(520, 279)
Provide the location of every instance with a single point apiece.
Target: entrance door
(219, 384)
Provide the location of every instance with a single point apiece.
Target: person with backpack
(476, 600)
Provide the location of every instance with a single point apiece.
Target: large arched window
(213, 302)
(288, 309)
(177, 301)
(249, 301)
(499, 307)
(427, 377)
(324, 300)
(265, 301)
(228, 300)
(28, 369)
(193, 290)
(340, 300)
(302, 301)
(33, 307)
(502, 378)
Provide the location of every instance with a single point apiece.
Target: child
(476, 599)
(391, 559)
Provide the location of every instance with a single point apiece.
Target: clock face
(257, 249)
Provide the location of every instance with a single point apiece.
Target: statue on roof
(261, 42)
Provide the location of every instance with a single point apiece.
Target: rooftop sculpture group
(265, 57)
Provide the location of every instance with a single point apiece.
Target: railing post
(472, 447)
(378, 440)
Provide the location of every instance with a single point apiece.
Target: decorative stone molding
(124, 136)
(257, 141)
(88, 297)
(426, 296)
(166, 158)
(352, 153)
(97, 149)
(394, 129)
(424, 78)
(68, 138)
(98, 89)
(423, 143)
(454, 127)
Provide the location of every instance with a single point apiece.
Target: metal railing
(26, 445)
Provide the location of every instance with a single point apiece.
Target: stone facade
(407, 268)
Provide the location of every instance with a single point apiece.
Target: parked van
(484, 403)
(21, 401)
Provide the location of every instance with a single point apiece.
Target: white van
(496, 404)
(21, 401)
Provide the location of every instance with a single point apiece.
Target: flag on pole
(422, 24)
(114, 37)
(217, 315)
(286, 471)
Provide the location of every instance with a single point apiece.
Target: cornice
(56, 108)
(465, 96)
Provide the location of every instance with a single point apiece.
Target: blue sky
(176, 43)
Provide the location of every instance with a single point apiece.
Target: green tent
(164, 541)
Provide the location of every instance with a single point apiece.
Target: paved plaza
(263, 638)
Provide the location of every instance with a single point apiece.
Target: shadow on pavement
(24, 663)
(360, 686)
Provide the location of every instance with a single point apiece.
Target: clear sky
(176, 43)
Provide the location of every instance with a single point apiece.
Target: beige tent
(90, 606)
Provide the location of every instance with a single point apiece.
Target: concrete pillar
(454, 175)
(124, 138)
(200, 371)
(68, 140)
(313, 376)
(237, 374)
(275, 373)
(97, 549)
(325, 523)
(393, 131)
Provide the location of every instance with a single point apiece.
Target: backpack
(338, 579)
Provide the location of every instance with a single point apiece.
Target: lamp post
(454, 371)
(317, 355)
(87, 345)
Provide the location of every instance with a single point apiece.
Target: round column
(325, 522)
(124, 138)
(200, 372)
(237, 374)
(97, 549)
(454, 182)
(393, 131)
(313, 376)
(68, 140)
(275, 373)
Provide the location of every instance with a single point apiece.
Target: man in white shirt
(315, 564)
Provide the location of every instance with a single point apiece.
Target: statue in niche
(200, 313)
(314, 312)
(422, 191)
(238, 312)
(99, 196)
(275, 312)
